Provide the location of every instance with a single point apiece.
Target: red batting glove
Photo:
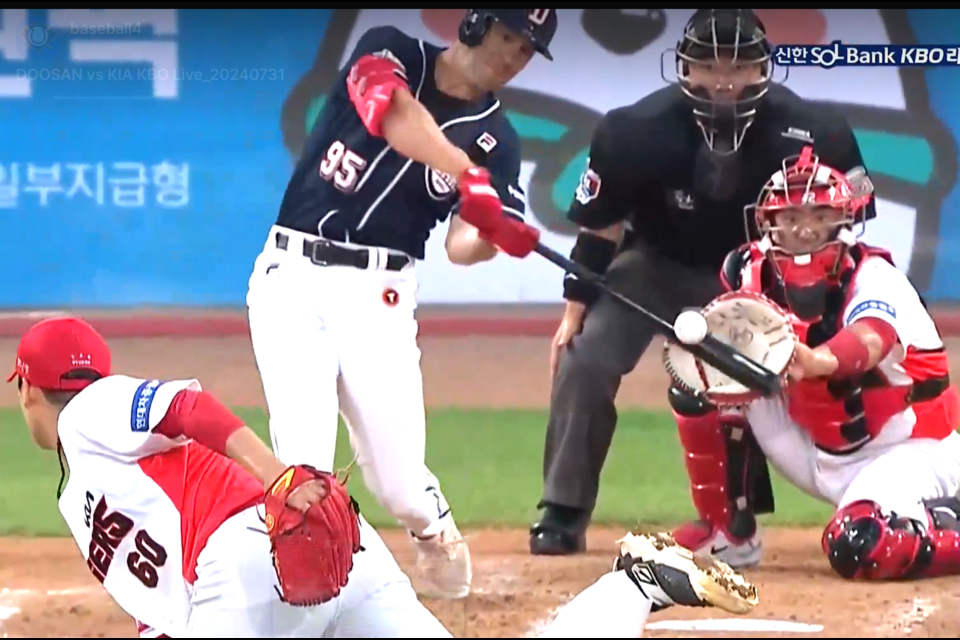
(370, 86)
(513, 237)
(479, 202)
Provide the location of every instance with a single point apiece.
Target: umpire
(660, 206)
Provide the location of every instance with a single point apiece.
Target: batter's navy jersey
(351, 186)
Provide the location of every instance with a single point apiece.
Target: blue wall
(228, 127)
(76, 252)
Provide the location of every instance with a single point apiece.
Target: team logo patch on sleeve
(873, 306)
(440, 185)
(589, 187)
(142, 402)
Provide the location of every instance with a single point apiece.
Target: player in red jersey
(163, 496)
(868, 422)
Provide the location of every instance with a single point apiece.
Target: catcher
(867, 421)
(163, 489)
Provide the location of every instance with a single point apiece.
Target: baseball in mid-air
(690, 327)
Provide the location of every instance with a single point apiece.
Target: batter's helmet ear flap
(473, 27)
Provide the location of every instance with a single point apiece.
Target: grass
(488, 462)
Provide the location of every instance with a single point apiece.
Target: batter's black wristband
(594, 253)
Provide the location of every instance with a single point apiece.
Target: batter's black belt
(325, 253)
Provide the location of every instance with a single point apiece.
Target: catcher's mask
(724, 67)
(805, 216)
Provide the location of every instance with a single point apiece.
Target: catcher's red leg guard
(862, 541)
(722, 461)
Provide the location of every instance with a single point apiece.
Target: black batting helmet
(539, 25)
(725, 36)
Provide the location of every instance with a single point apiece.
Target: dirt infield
(47, 591)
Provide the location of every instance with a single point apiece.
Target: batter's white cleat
(443, 565)
(669, 574)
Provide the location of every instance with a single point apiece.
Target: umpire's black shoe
(560, 532)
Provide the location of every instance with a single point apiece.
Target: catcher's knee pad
(729, 480)
(864, 541)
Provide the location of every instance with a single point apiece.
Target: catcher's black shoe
(668, 574)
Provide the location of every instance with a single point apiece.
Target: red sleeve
(851, 352)
(886, 332)
(198, 415)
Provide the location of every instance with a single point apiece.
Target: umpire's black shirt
(649, 165)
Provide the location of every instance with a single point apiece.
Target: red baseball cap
(53, 348)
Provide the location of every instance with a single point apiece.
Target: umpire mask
(724, 68)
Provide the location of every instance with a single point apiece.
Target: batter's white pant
(895, 471)
(235, 594)
(339, 339)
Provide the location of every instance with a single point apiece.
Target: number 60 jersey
(140, 505)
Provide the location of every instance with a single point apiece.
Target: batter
(409, 135)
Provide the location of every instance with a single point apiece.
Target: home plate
(747, 625)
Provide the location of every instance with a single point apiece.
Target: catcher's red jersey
(140, 505)
(880, 290)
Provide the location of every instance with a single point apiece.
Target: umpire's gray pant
(583, 415)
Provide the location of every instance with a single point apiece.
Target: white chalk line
(745, 625)
(498, 577)
(538, 627)
(903, 621)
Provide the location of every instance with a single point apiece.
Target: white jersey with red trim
(878, 290)
(126, 526)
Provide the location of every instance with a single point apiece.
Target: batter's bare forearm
(465, 246)
(412, 132)
(246, 448)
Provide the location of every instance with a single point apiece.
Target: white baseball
(690, 327)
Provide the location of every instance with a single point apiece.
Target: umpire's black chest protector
(708, 191)
(736, 178)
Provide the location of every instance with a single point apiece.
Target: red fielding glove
(313, 551)
(479, 202)
(513, 237)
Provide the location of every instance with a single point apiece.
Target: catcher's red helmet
(805, 216)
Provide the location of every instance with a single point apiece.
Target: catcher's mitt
(312, 551)
(752, 324)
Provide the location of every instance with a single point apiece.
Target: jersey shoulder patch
(143, 399)
(386, 54)
(589, 187)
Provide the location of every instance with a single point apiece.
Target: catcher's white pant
(339, 339)
(894, 470)
(235, 594)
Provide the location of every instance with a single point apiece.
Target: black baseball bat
(721, 356)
